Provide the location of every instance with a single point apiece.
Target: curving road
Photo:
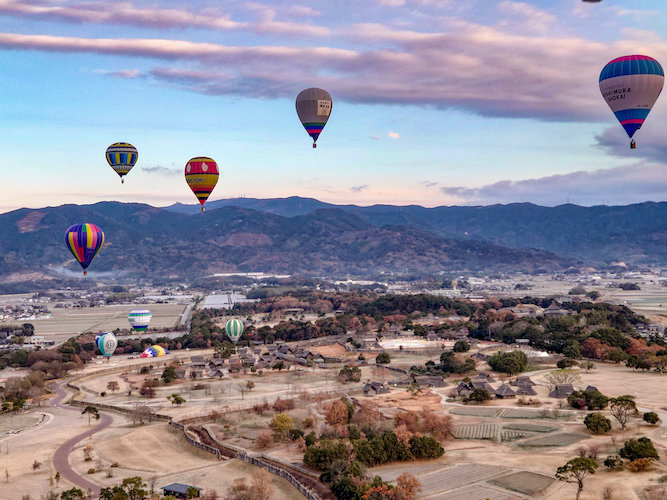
(61, 456)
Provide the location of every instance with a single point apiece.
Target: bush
(613, 462)
(461, 346)
(349, 374)
(640, 465)
(651, 417)
(383, 358)
(634, 449)
(91, 470)
(566, 363)
(294, 434)
(425, 447)
(478, 396)
(597, 423)
(591, 399)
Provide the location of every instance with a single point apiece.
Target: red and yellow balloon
(201, 174)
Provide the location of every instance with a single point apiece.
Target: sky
(435, 102)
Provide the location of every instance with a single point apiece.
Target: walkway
(61, 456)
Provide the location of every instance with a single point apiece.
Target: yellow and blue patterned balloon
(122, 156)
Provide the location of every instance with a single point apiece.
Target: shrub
(383, 358)
(425, 447)
(263, 440)
(634, 449)
(591, 399)
(651, 417)
(597, 423)
(461, 346)
(91, 470)
(613, 462)
(566, 363)
(512, 362)
(640, 464)
(479, 396)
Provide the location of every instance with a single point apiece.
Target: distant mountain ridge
(636, 234)
(145, 240)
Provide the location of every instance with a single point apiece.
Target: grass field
(17, 422)
(525, 482)
(104, 318)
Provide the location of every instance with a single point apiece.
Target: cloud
(514, 68)
(394, 135)
(358, 189)
(160, 170)
(127, 74)
(650, 141)
(621, 185)
(125, 13)
(391, 3)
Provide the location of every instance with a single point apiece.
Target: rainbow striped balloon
(631, 85)
(122, 156)
(201, 174)
(314, 108)
(234, 329)
(84, 241)
(139, 319)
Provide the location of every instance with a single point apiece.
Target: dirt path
(61, 456)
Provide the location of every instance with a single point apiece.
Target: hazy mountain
(634, 233)
(145, 240)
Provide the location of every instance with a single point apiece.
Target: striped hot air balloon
(201, 174)
(314, 108)
(107, 344)
(631, 85)
(234, 329)
(139, 319)
(122, 156)
(84, 241)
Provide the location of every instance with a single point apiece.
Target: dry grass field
(104, 318)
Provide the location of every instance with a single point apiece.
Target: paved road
(61, 456)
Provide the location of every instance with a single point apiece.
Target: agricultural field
(553, 440)
(490, 431)
(520, 426)
(525, 482)
(474, 491)
(476, 411)
(104, 318)
(451, 478)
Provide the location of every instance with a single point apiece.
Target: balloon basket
(633, 144)
(85, 273)
(314, 145)
(122, 181)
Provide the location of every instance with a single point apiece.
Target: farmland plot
(477, 431)
(553, 440)
(474, 491)
(529, 483)
(519, 426)
(512, 435)
(476, 411)
(452, 478)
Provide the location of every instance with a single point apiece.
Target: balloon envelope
(201, 174)
(234, 329)
(139, 319)
(631, 85)
(107, 344)
(154, 351)
(314, 108)
(84, 241)
(122, 156)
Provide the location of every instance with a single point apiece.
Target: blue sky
(436, 102)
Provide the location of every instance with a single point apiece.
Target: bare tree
(566, 376)
(36, 465)
(242, 389)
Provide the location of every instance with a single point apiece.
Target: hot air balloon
(97, 340)
(234, 329)
(201, 174)
(121, 157)
(107, 344)
(84, 241)
(631, 85)
(154, 351)
(139, 319)
(313, 107)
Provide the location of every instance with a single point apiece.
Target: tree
(169, 374)
(651, 417)
(591, 399)
(262, 485)
(242, 389)
(73, 494)
(176, 399)
(383, 358)
(425, 447)
(281, 424)
(134, 487)
(634, 449)
(147, 389)
(479, 395)
(349, 374)
(512, 362)
(191, 492)
(91, 411)
(113, 386)
(407, 487)
(575, 471)
(461, 346)
(566, 363)
(36, 465)
(597, 423)
(563, 377)
(620, 408)
(337, 413)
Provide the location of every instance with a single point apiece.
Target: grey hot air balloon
(313, 107)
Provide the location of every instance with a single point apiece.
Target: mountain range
(304, 236)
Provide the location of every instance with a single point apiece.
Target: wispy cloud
(162, 170)
(358, 189)
(627, 184)
(394, 135)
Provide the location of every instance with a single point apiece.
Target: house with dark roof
(522, 380)
(481, 384)
(561, 391)
(180, 490)
(373, 388)
(429, 381)
(464, 389)
(504, 392)
(485, 375)
(525, 390)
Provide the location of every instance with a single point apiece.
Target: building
(561, 391)
(179, 490)
(504, 392)
(373, 388)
